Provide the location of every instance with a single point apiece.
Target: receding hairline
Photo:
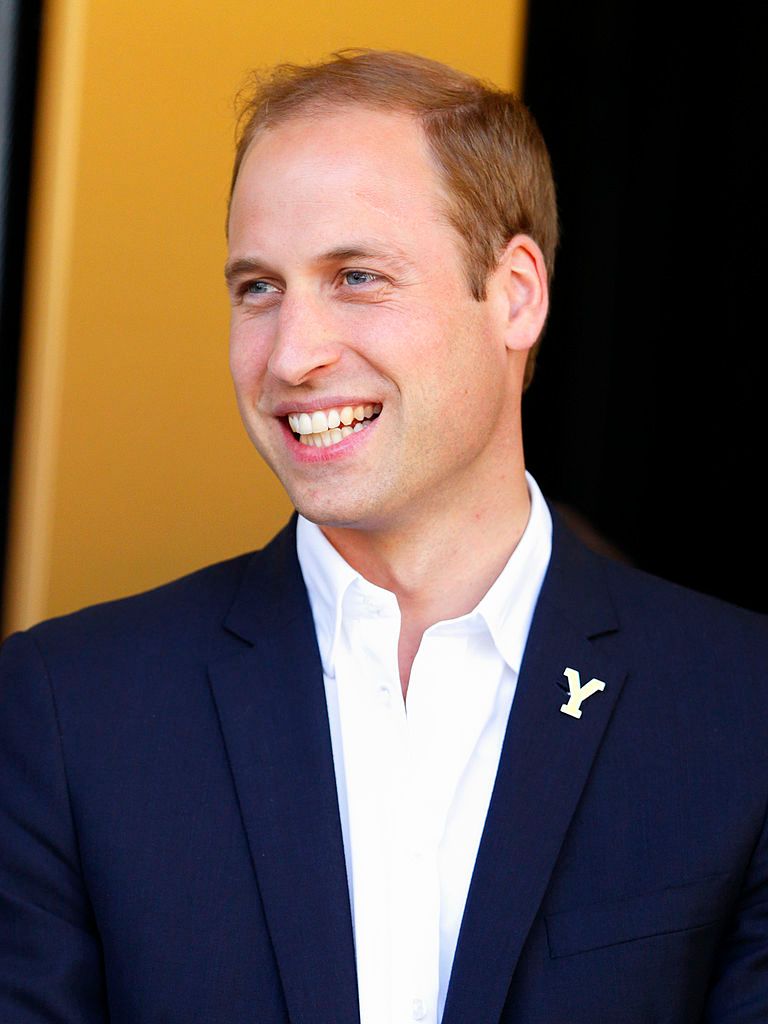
(387, 78)
(316, 109)
(392, 81)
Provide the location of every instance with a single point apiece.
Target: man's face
(367, 376)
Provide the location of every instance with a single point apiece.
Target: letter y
(579, 693)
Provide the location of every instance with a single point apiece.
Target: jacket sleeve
(739, 994)
(51, 966)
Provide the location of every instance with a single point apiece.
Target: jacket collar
(545, 764)
(271, 704)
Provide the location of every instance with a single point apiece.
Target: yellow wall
(131, 465)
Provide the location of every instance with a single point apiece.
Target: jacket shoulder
(671, 608)
(701, 645)
(188, 607)
(183, 618)
(659, 619)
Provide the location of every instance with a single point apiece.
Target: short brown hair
(489, 151)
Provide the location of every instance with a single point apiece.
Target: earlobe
(520, 292)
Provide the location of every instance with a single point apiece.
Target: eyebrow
(339, 254)
(366, 251)
(244, 265)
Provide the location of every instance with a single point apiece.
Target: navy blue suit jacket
(171, 847)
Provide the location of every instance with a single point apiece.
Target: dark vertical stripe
(648, 411)
(20, 22)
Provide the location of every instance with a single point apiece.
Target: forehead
(353, 164)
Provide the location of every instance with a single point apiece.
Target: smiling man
(424, 757)
(380, 390)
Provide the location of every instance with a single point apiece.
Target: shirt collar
(506, 609)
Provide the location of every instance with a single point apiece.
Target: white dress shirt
(414, 779)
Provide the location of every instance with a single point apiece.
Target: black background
(648, 414)
(20, 50)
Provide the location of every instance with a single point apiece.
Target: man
(424, 757)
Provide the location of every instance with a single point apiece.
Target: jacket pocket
(663, 911)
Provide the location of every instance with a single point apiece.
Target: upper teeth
(329, 419)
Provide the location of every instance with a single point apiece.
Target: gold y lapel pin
(578, 693)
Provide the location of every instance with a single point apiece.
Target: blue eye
(260, 287)
(354, 277)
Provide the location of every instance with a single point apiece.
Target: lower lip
(312, 454)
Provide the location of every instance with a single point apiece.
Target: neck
(439, 567)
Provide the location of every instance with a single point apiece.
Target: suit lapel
(544, 766)
(271, 705)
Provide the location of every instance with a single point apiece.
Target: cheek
(248, 355)
(475, 369)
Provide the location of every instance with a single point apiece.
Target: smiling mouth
(326, 427)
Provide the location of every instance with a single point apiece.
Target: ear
(518, 290)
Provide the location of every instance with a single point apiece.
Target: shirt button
(418, 1009)
(385, 697)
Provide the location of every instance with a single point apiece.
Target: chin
(335, 515)
(323, 516)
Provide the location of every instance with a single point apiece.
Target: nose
(305, 341)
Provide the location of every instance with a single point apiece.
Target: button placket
(415, 902)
